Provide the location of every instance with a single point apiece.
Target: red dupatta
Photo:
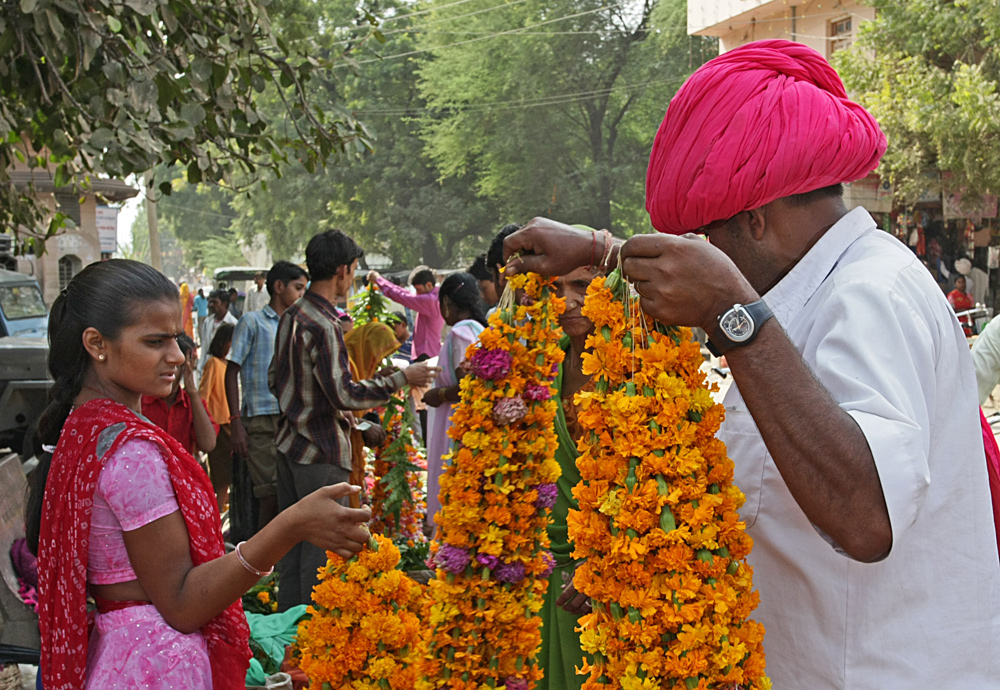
(64, 539)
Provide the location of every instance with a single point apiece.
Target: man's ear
(757, 221)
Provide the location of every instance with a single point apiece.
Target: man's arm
(986, 358)
(423, 304)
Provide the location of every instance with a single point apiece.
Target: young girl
(212, 388)
(463, 309)
(129, 517)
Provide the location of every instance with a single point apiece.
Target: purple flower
(513, 683)
(509, 410)
(452, 558)
(511, 572)
(526, 300)
(547, 495)
(487, 561)
(550, 563)
(491, 365)
(537, 393)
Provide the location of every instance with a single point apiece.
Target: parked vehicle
(22, 310)
(24, 385)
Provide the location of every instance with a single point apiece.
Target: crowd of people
(852, 423)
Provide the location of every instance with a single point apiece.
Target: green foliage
(396, 481)
(369, 305)
(89, 88)
(555, 113)
(928, 70)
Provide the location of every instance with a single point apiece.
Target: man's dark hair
(222, 295)
(480, 270)
(423, 277)
(328, 251)
(393, 319)
(494, 255)
(233, 291)
(223, 337)
(286, 272)
(806, 198)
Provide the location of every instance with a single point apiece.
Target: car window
(21, 301)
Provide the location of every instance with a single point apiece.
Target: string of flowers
(364, 626)
(491, 551)
(657, 523)
(369, 305)
(399, 500)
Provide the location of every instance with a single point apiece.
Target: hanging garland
(657, 523)
(491, 551)
(364, 626)
(369, 305)
(399, 500)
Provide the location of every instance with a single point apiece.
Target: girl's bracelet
(249, 568)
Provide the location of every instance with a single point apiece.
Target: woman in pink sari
(122, 512)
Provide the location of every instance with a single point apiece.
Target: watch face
(737, 324)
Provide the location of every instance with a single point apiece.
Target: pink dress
(135, 647)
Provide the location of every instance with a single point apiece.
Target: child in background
(183, 414)
(213, 391)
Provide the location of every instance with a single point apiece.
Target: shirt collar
(322, 303)
(269, 312)
(789, 296)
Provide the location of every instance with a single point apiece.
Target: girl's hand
(321, 520)
(187, 373)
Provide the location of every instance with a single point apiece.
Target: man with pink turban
(853, 420)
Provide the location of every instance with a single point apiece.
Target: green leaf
(114, 24)
(28, 6)
(193, 113)
(101, 138)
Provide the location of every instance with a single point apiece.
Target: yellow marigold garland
(491, 551)
(657, 522)
(364, 630)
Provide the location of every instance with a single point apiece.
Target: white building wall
(811, 22)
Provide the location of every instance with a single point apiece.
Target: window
(21, 301)
(841, 34)
(69, 266)
(70, 205)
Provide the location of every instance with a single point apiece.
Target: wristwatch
(739, 325)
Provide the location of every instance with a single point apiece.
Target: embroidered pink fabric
(133, 490)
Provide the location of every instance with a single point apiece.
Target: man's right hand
(420, 375)
(373, 276)
(239, 438)
(550, 248)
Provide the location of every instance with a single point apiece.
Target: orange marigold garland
(657, 523)
(491, 552)
(364, 629)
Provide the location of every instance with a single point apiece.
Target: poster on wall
(107, 229)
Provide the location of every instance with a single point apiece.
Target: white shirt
(878, 333)
(255, 299)
(986, 359)
(208, 328)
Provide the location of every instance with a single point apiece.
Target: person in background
(464, 310)
(187, 309)
(234, 303)
(960, 300)
(494, 256)
(402, 330)
(122, 514)
(218, 307)
(487, 285)
(212, 389)
(424, 301)
(183, 413)
(257, 298)
(201, 307)
(311, 378)
(253, 424)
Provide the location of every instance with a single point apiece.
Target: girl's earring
(101, 357)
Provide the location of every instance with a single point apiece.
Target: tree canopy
(928, 70)
(113, 88)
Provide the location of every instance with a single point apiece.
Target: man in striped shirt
(311, 378)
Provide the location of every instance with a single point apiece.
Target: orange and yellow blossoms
(491, 553)
(399, 500)
(657, 523)
(364, 632)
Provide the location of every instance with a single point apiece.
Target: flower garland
(364, 629)
(491, 549)
(369, 305)
(657, 523)
(399, 500)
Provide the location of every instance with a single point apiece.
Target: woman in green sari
(560, 653)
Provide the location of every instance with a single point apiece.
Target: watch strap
(718, 343)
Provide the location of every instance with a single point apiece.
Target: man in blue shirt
(201, 305)
(254, 424)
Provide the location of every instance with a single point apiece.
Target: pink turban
(764, 121)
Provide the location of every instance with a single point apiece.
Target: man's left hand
(373, 436)
(683, 281)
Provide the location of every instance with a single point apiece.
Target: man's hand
(683, 281)
(434, 397)
(573, 601)
(374, 436)
(239, 438)
(550, 248)
(420, 375)
(373, 276)
(320, 520)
